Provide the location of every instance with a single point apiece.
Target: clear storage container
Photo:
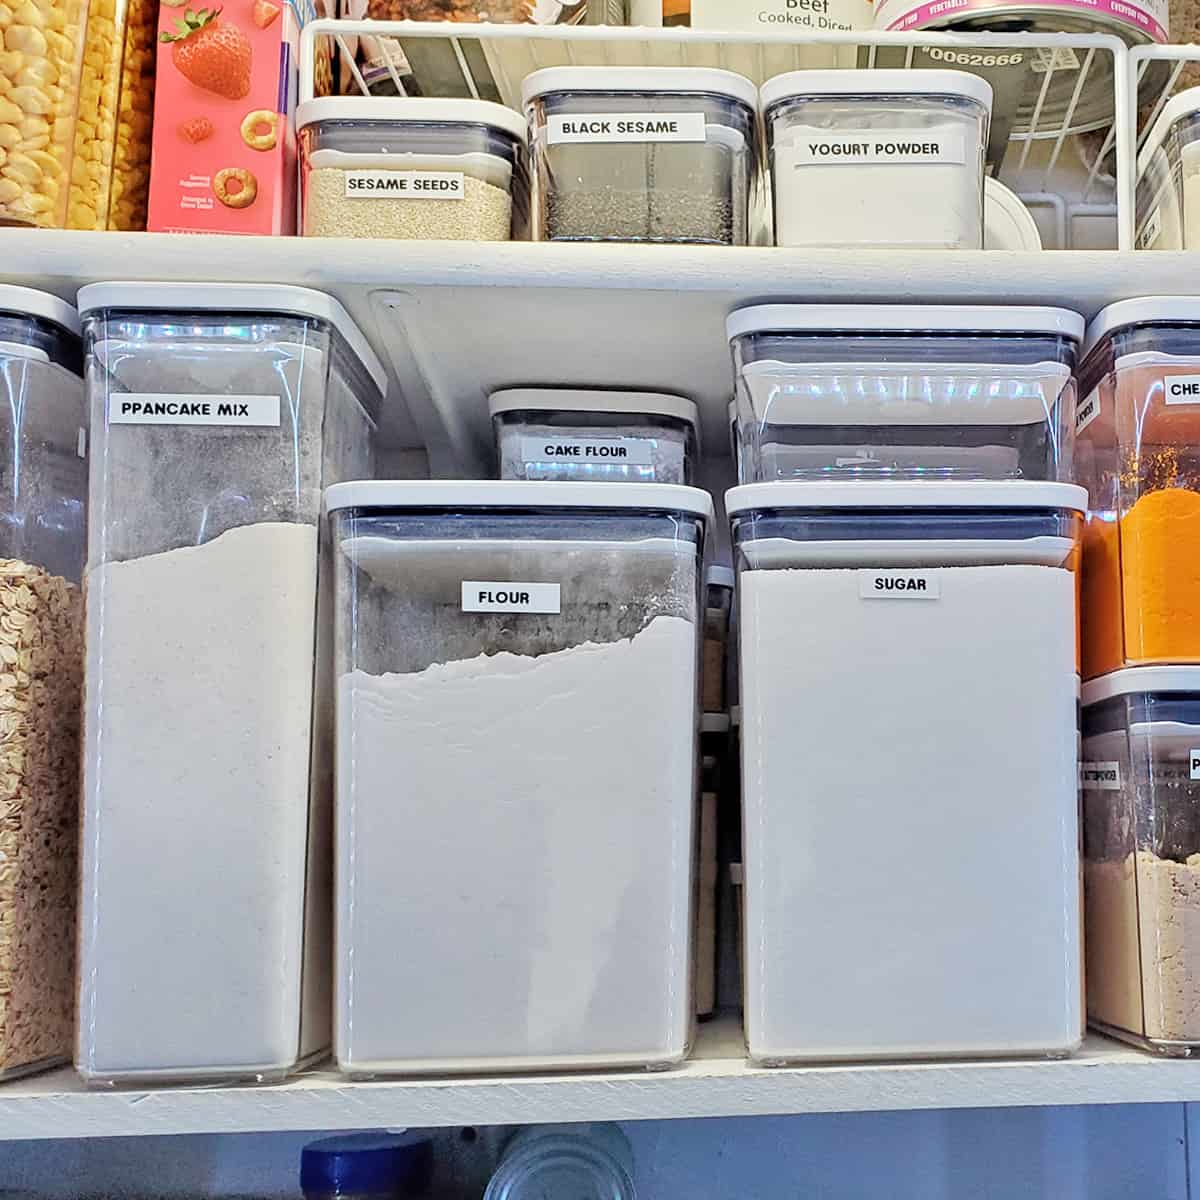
(219, 413)
(641, 154)
(1167, 198)
(412, 168)
(1141, 809)
(581, 434)
(1138, 453)
(878, 158)
(875, 392)
(909, 768)
(718, 585)
(43, 494)
(585, 1162)
(483, 628)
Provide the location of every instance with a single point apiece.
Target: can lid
(518, 493)
(236, 297)
(28, 302)
(854, 494)
(1131, 680)
(1007, 223)
(1184, 104)
(411, 110)
(1145, 310)
(656, 404)
(364, 1162)
(903, 318)
(709, 80)
(886, 82)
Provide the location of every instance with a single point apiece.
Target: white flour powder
(515, 857)
(199, 692)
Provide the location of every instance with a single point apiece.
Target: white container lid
(1145, 310)
(410, 110)
(650, 80)
(236, 297)
(27, 302)
(903, 318)
(856, 82)
(1007, 223)
(1182, 105)
(718, 576)
(1131, 680)
(653, 404)
(518, 493)
(852, 493)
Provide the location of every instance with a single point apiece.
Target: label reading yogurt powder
(635, 452)
(406, 185)
(483, 596)
(879, 146)
(1100, 776)
(1087, 410)
(898, 585)
(153, 408)
(625, 127)
(1182, 389)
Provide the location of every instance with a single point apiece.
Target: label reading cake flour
(625, 127)
(1100, 776)
(406, 185)
(898, 585)
(153, 408)
(1182, 389)
(1087, 410)
(483, 596)
(878, 146)
(1148, 234)
(634, 452)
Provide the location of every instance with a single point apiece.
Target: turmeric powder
(1100, 597)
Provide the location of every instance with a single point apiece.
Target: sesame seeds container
(412, 168)
(641, 154)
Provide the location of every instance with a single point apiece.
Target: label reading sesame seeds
(482, 596)
(634, 452)
(406, 185)
(1100, 776)
(625, 127)
(1087, 410)
(878, 146)
(1182, 389)
(153, 408)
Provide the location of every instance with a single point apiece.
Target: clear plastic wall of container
(43, 495)
(219, 414)
(641, 154)
(909, 689)
(483, 628)
(412, 168)
(876, 392)
(1167, 198)
(1141, 810)
(578, 434)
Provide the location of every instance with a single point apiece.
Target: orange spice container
(1137, 450)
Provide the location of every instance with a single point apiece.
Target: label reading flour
(1100, 776)
(635, 452)
(406, 185)
(1087, 410)
(879, 146)
(154, 408)
(1182, 389)
(898, 585)
(491, 597)
(625, 127)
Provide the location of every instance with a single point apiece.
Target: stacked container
(219, 414)
(1167, 213)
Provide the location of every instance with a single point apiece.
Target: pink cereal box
(224, 148)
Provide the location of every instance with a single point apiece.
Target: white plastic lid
(903, 318)
(718, 576)
(655, 404)
(1132, 680)
(27, 302)
(856, 82)
(852, 493)
(412, 110)
(668, 80)
(1182, 105)
(518, 493)
(236, 297)
(1007, 223)
(1144, 310)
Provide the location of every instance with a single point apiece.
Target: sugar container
(878, 392)
(641, 154)
(482, 628)
(877, 158)
(588, 434)
(909, 768)
(1167, 198)
(219, 413)
(412, 168)
(43, 496)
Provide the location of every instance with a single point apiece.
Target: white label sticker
(155, 408)
(634, 452)
(1194, 764)
(625, 127)
(1182, 389)
(898, 585)
(878, 146)
(406, 185)
(1149, 232)
(1100, 776)
(81, 443)
(775, 16)
(1087, 410)
(490, 597)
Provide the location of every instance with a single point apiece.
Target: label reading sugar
(1148, 234)
(154, 408)
(1100, 776)
(898, 585)
(1087, 410)
(625, 127)
(879, 146)
(1182, 389)
(406, 185)
(491, 597)
(634, 452)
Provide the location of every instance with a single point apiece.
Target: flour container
(43, 495)
(909, 768)
(589, 434)
(1138, 453)
(877, 158)
(904, 392)
(1167, 213)
(641, 154)
(1141, 813)
(218, 414)
(517, 712)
